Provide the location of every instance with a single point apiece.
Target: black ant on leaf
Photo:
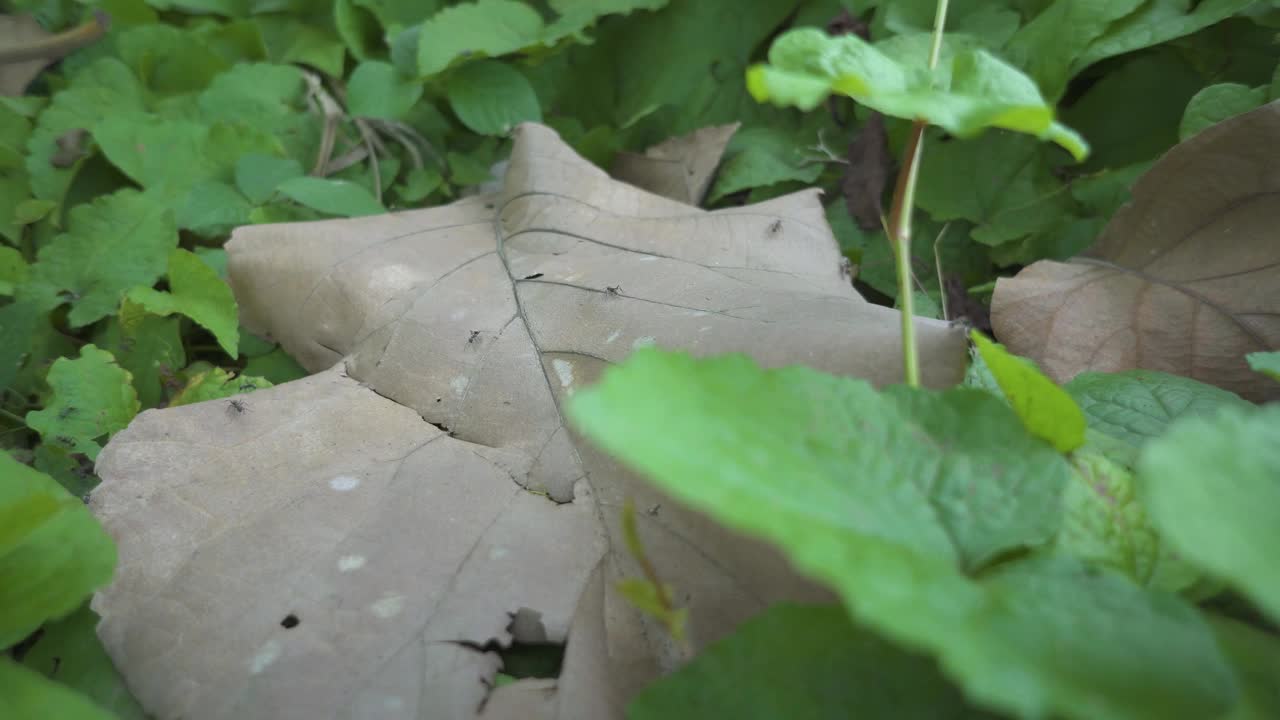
(236, 406)
(614, 290)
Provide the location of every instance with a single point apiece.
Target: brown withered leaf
(360, 542)
(867, 172)
(1184, 279)
(680, 168)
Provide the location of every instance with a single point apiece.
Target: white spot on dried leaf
(564, 371)
(347, 563)
(388, 606)
(613, 336)
(645, 341)
(344, 483)
(267, 654)
(459, 385)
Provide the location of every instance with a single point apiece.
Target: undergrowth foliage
(1096, 550)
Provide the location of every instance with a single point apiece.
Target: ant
(237, 406)
(475, 337)
(614, 290)
(775, 227)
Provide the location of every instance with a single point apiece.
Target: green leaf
(169, 60)
(335, 197)
(1048, 46)
(92, 397)
(1155, 22)
(762, 156)
(216, 384)
(991, 23)
(377, 90)
(485, 28)
(1136, 406)
(1255, 655)
(258, 176)
(1212, 485)
(1046, 410)
(972, 91)
(148, 346)
(890, 497)
(1103, 523)
(419, 183)
(1267, 363)
(52, 565)
(112, 244)
(290, 40)
(213, 209)
(13, 270)
(1216, 103)
(802, 663)
(197, 292)
(490, 98)
(358, 28)
(73, 471)
(27, 694)
(276, 367)
(69, 652)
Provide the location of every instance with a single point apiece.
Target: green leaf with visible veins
(28, 694)
(92, 397)
(1216, 103)
(1211, 484)
(335, 197)
(1136, 406)
(148, 346)
(802, 663)
(112, 244)
(69, 651)
(1046, 410)
(1267, 363)
(763, 156)
(216, 384)
(485, 28)
(47, 567)
(195, 290)
(896, 499)
(1048, 46)
(490, 97)
(1155, 22)
(971, 90)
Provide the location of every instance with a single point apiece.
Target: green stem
(12, 418)
(904, 195)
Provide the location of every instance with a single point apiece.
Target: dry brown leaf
(407, 501)
(680, 168)
(1185, 279)
(20, 30)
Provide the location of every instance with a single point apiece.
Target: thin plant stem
(12, 417)
(904, 194)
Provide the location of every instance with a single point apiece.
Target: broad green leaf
(334, 197)
(29, 343)
(1103, 523)
(1046, 410)
(114, 243)
(276, 367)
(802, 663)
(195, 290)
(213, 208)
(485, 28)
(1267, 363)
(215, 384)
(973, 91)
(148, 346)
(418, 184)
(13, 270)
(1216, 103)
(377, 90)
(358, 28)
(1212, 485)
(889, 497)
(48, 570)
(394, 14)
(69, 652)
(258, 176)
(1155, 22)
(270, 97)
(1255, 656)
(169, 60)
(991, 22)
(28, 694)
(92, 397)
(490, 98)
(1136, 406)
(763, 156)
(72, 470)
(288, 39)
(1048, 46)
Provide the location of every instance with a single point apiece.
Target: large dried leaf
(680, 168)
(421, 489)
(21, 30)
(1185, 279)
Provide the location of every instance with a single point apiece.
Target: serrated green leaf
(377, 90)
(69, 652)
(114, 243)
(485, 28)
(1103, 523)
(148, 346)
(1046, 410)
(867, 491)
(1216, 103)
(215, 384)
(1267, 363)
(1155, 22)
(13, 270)
(334, 197)
(802, 663)
(29, 343)
(258, 176)
(27, 694)
(763, 156)
(490, 98)
(197, 292)
(1136, 406)
(47, 571)
(92, 397)
(213, 208)
(972, 92)
(1211, 485)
